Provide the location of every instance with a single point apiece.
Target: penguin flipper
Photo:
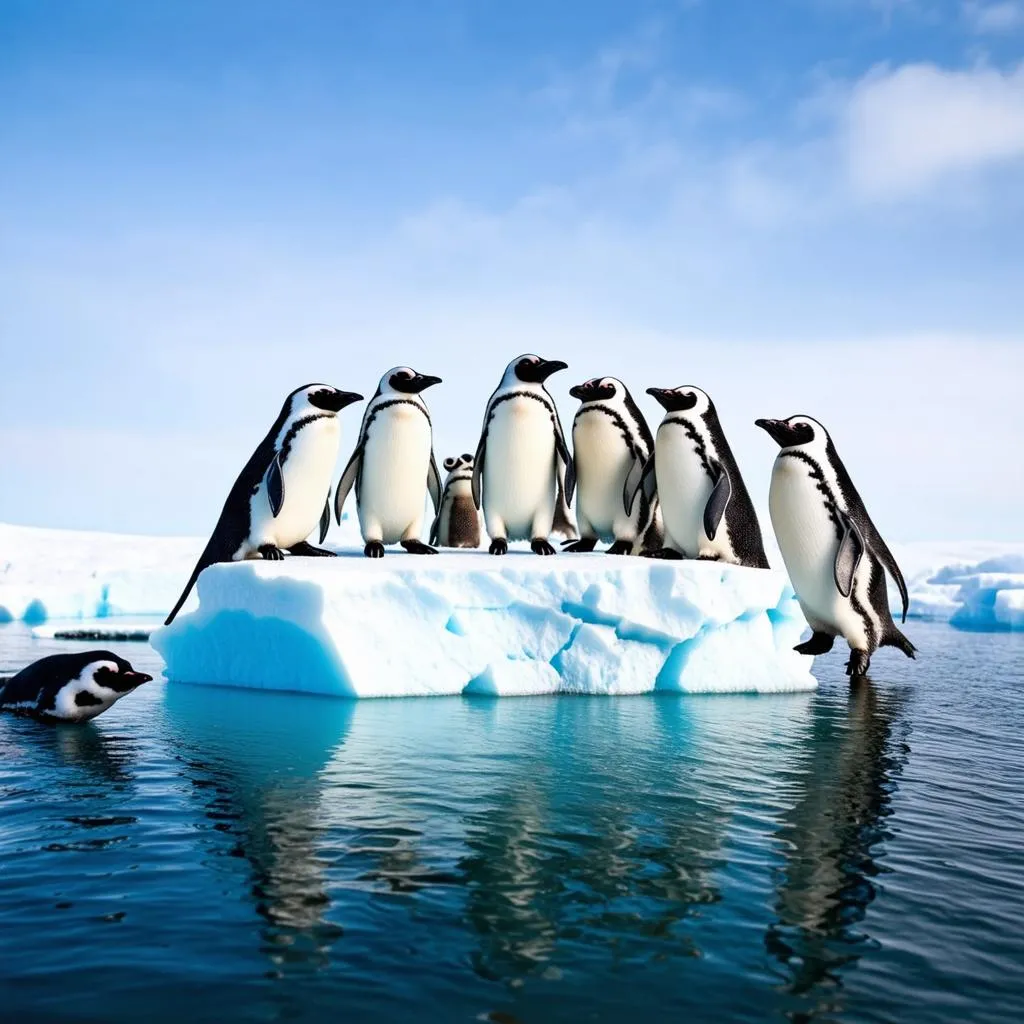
(649, 484)
(718, 502)
(632, 484)
(348, 478)
(274, 481)
(325, 519)
(562, 449)
(888, 560)
(478, 467)
(434, 485)
(851, 550)
(562, 522)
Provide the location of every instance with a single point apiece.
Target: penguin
(835, 557)
(284, 488)
(611, 444)
(706, 509)
(393, 465)
(457, 524)
(522, 471)
(70, 687)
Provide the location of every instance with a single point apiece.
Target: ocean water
(203, 853)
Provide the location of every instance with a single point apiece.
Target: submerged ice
(469, 623)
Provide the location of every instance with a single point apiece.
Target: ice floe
(471, 623)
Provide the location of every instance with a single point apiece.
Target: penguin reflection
(257, 775)
(536, 881)
(831, 834)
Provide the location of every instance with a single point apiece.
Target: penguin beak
(421, 382)
(579, 391)
(779, 430)
(130, 680)
(549, 366)
(334, 401)
(661, 396)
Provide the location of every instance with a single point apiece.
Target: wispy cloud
(909, 127)
(994, 18)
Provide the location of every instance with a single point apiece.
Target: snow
(972, 585)
(469, 623)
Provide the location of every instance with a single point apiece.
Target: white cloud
(994, 18)
(907, 128)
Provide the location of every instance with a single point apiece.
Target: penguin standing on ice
(522, 472)
(284, 488)
(835, 556)
(393, 465)
(705, 506)
(611, 444)
(457, 524)
(70, 687)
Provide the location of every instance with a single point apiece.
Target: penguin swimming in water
(835, 556)
(522, 471)
(70, 687)
(284, 488)
(457, 524)
(393, 465)
(611, 444)
(705, 506)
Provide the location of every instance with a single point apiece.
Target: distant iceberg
(971, 585)
(468, 623)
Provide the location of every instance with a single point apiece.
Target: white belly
(393, 490)
(603, 461)
(308, 471)
(683, 489)
(808, 542)
(519, 468)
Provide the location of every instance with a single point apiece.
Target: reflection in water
(255, 763)
(831, 836)
(619, 860)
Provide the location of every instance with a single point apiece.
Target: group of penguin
(677, 495)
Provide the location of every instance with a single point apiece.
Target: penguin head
(115, 674)
(599, 389)
(531, 369)
(688, 400)
(456, 462)
(796, 432)
(102, 682)
(321, 397)
(406, 381)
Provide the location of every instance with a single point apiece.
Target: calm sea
(214, 854)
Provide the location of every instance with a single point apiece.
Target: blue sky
(800, 205)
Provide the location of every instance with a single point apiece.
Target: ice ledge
(470, 623)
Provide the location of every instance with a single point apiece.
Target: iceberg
(972, 585)
(468, 623)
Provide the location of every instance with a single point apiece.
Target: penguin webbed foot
(620, 547)
(541, 546)
(306, 550)
(669, 554)
(857, 666)
(581, 546)
(499, 546)
(374, 549)
(417, 547)
(818, 643)
(271, 553)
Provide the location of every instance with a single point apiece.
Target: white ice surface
(469, 623)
